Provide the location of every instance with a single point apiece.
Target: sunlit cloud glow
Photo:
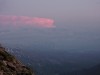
(25, 20)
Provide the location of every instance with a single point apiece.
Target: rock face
(9, 65)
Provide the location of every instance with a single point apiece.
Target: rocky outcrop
(9, 65)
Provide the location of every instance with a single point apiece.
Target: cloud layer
(25, 20)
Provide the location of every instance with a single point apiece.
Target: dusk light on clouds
(25, 20)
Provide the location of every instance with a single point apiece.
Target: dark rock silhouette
(9, 65)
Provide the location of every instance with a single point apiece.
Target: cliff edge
(9, 65)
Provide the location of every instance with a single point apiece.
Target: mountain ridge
(9, 65)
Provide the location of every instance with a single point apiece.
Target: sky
(58, 24)
(59, 10)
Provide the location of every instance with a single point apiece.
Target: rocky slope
(9, 65)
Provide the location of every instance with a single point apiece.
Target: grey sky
(63, 9)
(77, 22)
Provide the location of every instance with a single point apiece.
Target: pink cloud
(25, 20)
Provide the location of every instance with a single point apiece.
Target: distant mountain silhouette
(91, 71)
(9, 65)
